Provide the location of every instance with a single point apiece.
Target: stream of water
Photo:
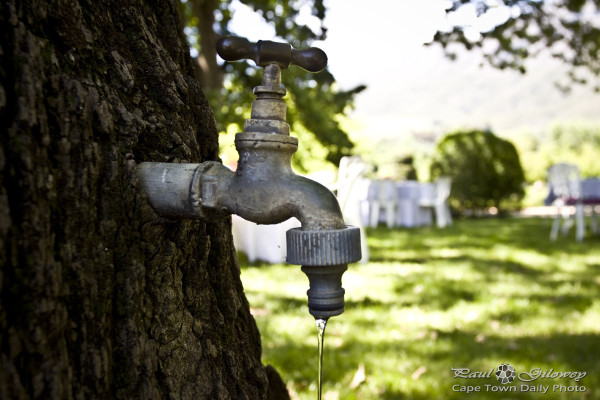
(321, 324)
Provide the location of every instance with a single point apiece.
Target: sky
(415, 89)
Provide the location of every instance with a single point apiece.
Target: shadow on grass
(431, 294)
(450, 349)
(523, 308)
(367, 302)
(280, 304)
(561, 352)
(284, 304)
(522, 233)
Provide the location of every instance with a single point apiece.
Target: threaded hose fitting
(323, 247)
(324, 255)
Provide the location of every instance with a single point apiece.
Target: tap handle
(265, 52)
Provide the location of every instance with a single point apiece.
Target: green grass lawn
(476, 295)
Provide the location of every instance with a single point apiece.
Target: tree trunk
(211, 76)
(99, 297)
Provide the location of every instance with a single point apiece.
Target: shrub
(485, 170)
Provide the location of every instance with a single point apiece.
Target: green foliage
(406, 168)
(473, 295)
(313, 105)
(485, 170)
(575, 143)
(314, 101)
(569, 29)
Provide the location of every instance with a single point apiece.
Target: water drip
(321, 324)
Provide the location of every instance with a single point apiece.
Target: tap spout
(266, 193)
(264, 189)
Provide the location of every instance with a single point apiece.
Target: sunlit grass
(476, 295)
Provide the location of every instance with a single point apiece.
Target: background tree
(569, 29)
(485, 170)
(99, 297)
(576, 143)
(314, 101)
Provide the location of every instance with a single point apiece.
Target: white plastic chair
(439, 201)
(425, 214)
(565, 183)
(382, 196)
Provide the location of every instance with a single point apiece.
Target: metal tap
(264, 189)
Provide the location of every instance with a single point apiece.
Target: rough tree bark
(99, 297)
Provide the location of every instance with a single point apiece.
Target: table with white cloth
(590, 191)
(403, 199)
(410, 194)
(587, 191)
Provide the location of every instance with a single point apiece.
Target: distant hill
(433, 94)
